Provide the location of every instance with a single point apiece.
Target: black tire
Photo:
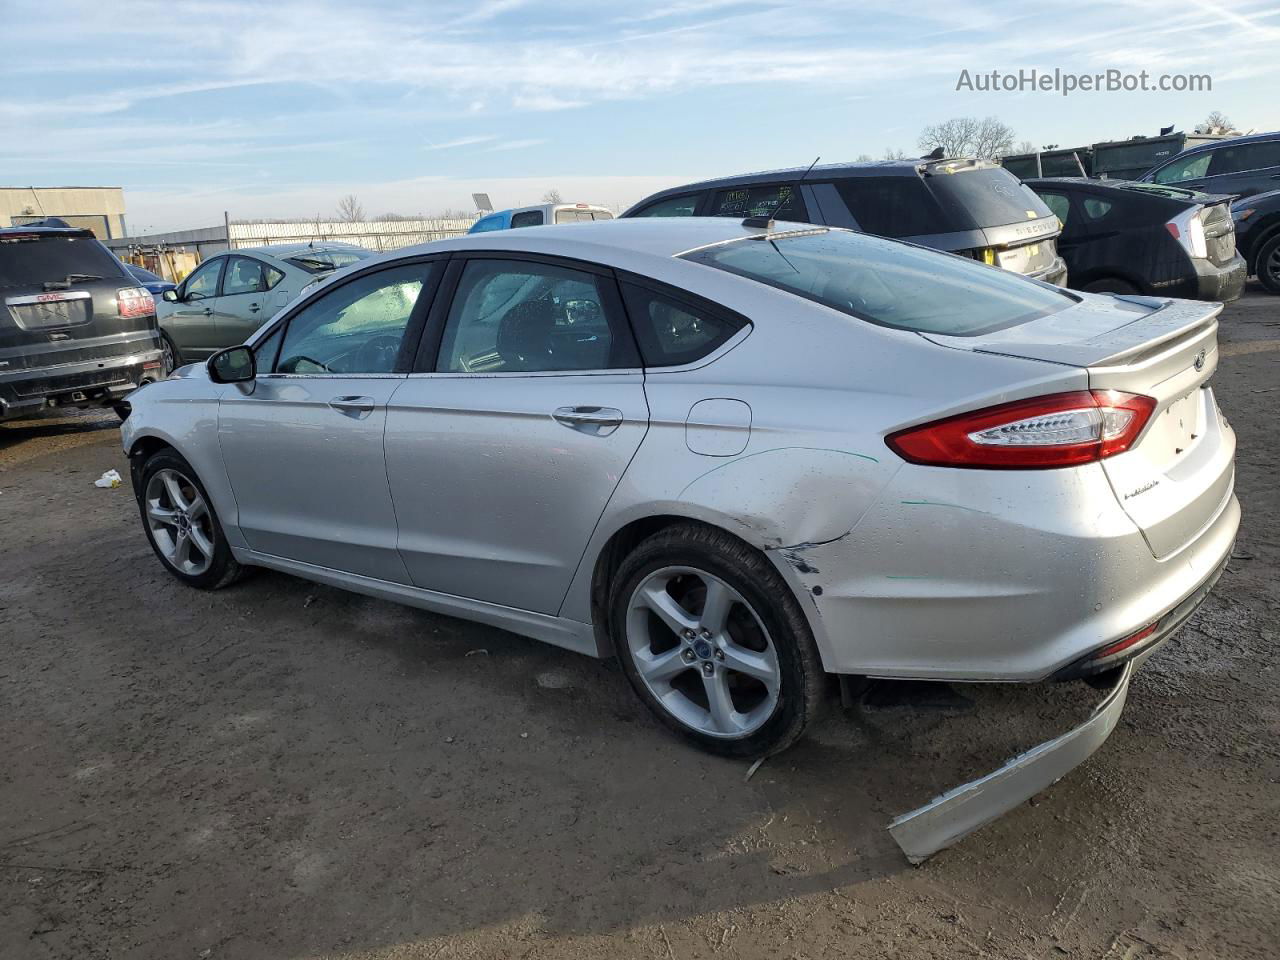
(222, 569)
(1269, 264)
(801, 686)
(170, 356)
(1111, 285)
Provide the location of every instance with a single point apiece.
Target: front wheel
(181, 524)
(713, 641)
(1269, 264)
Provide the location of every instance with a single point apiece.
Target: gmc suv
(77, 330)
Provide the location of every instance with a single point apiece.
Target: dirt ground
(282, 770)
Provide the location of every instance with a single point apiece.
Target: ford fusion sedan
(231, 295)
(736, 457)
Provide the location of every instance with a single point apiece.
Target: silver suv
(968, 207)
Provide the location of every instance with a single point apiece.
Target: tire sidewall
(1270, 281)
(224, 564)
(772, 601)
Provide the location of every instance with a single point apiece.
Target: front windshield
(888, 283)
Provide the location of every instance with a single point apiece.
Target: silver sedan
(738, 457)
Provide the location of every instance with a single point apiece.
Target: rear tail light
(1188, 229)
(135, 302)
(1111, 649)
(1059, 430)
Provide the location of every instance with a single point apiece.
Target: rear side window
(893, 206)
(887, 283)
(989, 196)
(780, 200)
(30, 262)
(674, 331)
(527, 218)
(1059, 205)
(1096, 209)
(682, 206)
(1247, 156)
(244, 276)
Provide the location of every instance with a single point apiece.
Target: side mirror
(232, 365)
(170, 295)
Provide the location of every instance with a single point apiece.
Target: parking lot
(285, 770)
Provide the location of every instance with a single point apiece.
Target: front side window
(1184, 168)
(243, 276)
(1247, 156)
(1058, 205)
(358, 327)
(781, 201)
(673, 331)
(887, 283)
(527, 218)
(203, 284)
(682, 206)
(509, 316)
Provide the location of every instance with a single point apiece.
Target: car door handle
(254, 308)
(208, 311)
(596, 421)
(358, 407)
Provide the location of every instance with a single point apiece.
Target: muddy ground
(283, 770)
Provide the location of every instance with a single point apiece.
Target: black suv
(968, 207)
(76, 330)
(1240, 166)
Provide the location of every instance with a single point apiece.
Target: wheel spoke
(664, 605)
(748, 662)
(723, 714)
(182, 550)
(161, 514)
(661, 667)
(174, 490)
(715, 611)
(197, 509)
(203, 543)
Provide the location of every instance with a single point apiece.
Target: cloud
(514, 145)
(460, 142)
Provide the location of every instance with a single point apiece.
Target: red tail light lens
(135, 302)
(1059, 430)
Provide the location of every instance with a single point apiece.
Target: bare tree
(968, 137)
(350, 210)
(1219, 119)
(1023, 146)
(552, 196)
(863, 158)
(893, 153)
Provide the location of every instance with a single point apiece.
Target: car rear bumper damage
(957, 813)
(26, 392)
(1055, 273)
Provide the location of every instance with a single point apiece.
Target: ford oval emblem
(1200, 360)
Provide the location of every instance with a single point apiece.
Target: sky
(279, 108)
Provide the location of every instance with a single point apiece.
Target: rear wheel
(181, 525)
(1110, 285)
(170, 358)
(713, 641)
(1269, 264)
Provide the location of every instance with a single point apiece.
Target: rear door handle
(358, 407)
(596, 421)
(254, 308)
(208, 311)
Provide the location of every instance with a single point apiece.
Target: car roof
(46, 231)
(607, 241)
(1228, 142)
(819, 172)
(283, 250)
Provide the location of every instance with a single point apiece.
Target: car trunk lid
(1179, 474)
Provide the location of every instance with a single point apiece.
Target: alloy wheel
(703, 652)
(1270, 268)
(180, 522)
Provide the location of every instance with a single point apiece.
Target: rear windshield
(322, 261)
(989, 196)
(27, 262)
(570, 215)
(887, 283)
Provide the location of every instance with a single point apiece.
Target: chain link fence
(377, 235)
